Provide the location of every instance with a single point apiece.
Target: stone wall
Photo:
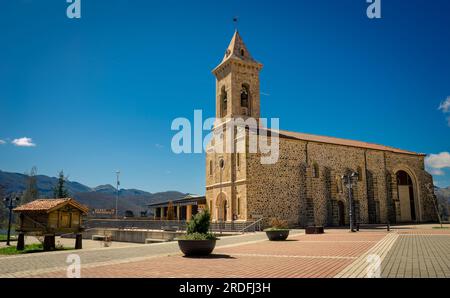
(305, 186)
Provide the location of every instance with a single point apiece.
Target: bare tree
(31, 192)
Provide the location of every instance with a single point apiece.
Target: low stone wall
(133, 236)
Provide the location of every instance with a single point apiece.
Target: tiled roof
(44, 205)
(187, 198)
(343, 142)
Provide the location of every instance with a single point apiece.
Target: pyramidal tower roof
(238, 50)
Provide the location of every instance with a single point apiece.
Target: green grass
(30, 248)
(441, 228)
(4, 237)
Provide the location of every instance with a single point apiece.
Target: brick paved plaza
(404, 252)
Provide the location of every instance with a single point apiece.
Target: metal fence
(178, 225)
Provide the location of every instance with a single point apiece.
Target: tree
(31, 192)
(60, 192)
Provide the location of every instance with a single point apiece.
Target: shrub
(278, 224)
(198, 236)
(200, 223)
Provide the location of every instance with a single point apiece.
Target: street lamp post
(221, 164)
(348, 180)
(117, 196)
(10, 205)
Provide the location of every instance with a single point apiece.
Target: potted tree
(198, 241)
(278, 230)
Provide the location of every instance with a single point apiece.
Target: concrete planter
(277, 235)
(314, 230)
(191, 248)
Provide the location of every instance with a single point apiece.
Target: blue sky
(99, 93)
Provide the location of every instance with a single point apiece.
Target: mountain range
(443, 197)
(100, 197)
(135, 200)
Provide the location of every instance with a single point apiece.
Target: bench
(170, 228)
(314, 230)
(101, 238)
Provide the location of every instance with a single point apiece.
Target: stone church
(305, 186)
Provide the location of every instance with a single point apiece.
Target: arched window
(242, 52)
(315, 170)
(210, 167)
(338, 184)
(245, 95)
(239, 206)
(224, 101)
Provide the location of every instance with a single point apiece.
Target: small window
(210, 167)
(242, 52)
(315, 170)
(244, 96)
(221, 163)
(224, 101)
(338, 185)
(238, 160)
(239, 206)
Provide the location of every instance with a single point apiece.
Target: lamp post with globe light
(348, 181)
(10, 203)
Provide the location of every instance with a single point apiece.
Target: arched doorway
(224, 211)
(406, 197)
(222, 204)
(341, 213)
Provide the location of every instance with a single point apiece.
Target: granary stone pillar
(49, 242)
(21, 242)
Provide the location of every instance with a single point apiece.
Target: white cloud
(445, 105)
(436, 172)
(24, 142)
(2, 142)
(435, 163)
(159, 146)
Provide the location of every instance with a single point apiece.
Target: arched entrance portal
(406, 197)
(223, 212)
(222, 207)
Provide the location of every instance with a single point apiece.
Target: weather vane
(235, 21)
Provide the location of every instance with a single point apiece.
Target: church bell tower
(237, 82)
